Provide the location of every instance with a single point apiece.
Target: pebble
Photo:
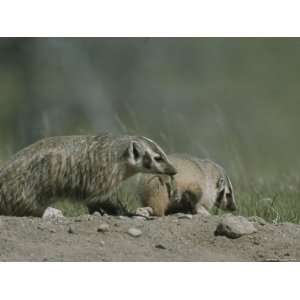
(52, 230)
(160, 246)
(135, 232)
(140, 218)
(144, 211)
(52, 213)
(234, 227)
(185, 216)
(96, 214)
(102, 243)
(85, 217)
(103, 227)
(123, 218)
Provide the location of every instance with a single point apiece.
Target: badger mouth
(170, 170)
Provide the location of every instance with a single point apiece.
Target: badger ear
(221, 184)
(229, 185)
(231, 204)
(133, 151)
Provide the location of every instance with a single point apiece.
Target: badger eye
(158, 158)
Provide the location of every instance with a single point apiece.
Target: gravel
(52, 213)
(135, 232)
(103, 227)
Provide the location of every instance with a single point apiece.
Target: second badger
(199, 185)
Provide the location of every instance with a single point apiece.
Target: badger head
(145, 156)
(225, 196)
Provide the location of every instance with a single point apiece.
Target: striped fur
(87, 168)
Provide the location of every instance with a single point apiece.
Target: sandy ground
(163, 239)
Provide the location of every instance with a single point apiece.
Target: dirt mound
(171, 238)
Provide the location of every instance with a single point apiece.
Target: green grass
(122, 200)
(276, 202)
(71, 208)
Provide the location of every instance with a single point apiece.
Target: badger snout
(232, 207)
(170, 170)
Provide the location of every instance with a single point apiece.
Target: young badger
(88, 168)
(198, 186)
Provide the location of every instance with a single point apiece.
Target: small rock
(83, 218)
(103, 227)
(52, 230)
(234, 227)
(256, 219)
(123, 218)
(160, 246)
(102, 243)
(185, 216)
(135, 232)
(144, 211)
(96, 214)
(275, 259)
(140, 218)
(52, 213)
(71, 230)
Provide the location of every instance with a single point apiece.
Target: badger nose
(170, 170)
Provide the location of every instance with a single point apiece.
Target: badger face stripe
(220, 198)
(135, 151)
(147, 161)
(156, 147)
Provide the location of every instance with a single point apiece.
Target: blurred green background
(234, 100)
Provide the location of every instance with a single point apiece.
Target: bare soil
(163, 239)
